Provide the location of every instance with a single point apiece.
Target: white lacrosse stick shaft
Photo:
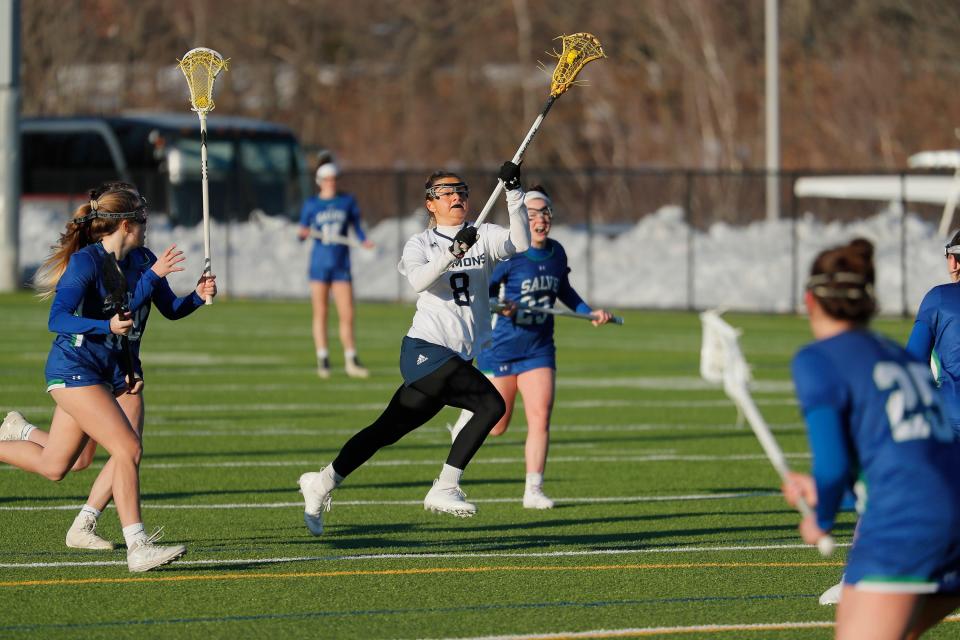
(517, 157)
(741, 396)
(205, 190)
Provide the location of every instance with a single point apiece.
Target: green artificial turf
(662, 498)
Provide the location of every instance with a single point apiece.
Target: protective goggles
(437, 191)
(137, 215)
(546, 212)
(951, 249)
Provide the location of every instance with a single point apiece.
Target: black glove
(465, 238)
(510, 174)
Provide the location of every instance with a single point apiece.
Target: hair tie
(93, 205)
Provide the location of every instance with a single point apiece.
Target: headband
(821, 285)
(139, 214)
(534, 195)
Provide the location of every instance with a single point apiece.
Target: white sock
(534, 479)
(91, 510)
(322, 353)
(461, 423)
(449, 476)
(134, 533)
(329, 478)
(349, 354)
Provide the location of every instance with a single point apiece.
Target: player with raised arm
(875, 422)
(140, 260)
(85, 373)
(449, 267)
(522, 356)
(327, 217)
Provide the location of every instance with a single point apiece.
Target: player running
(523, 354)
(327, 217)
(875, 422)
(449, 267)
(85, 372)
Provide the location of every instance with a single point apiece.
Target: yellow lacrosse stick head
(577, 50)
(201, 66)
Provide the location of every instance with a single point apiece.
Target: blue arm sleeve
(920, 343)
(78, 276)
(355, 220)
(144, 289)
(832, 462)
(568, 295)
(498, 277)
(172, 307)
(305, 214)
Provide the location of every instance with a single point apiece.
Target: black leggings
(456, 383)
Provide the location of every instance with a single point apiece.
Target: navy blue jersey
(936, 335)
(889, 437)
(81, 319)
(534, 278)
(331, 217)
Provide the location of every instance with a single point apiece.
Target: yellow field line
(408, 572)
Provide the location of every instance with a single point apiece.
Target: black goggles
(437, 191)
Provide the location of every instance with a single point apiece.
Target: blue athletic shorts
(328, 274)
(902, 564)
(64, 371)
(514, 367)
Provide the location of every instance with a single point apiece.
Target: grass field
(668, 517)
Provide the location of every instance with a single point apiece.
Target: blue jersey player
(936, 334)
(875, 423)
(85, 369)
(522, 354)
(327, 218)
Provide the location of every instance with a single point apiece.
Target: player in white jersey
(449, 267)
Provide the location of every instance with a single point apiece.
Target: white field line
(666, 457)
(367, 503)
(228, 431)
(429, 556)
(651, 383)
(373, 406)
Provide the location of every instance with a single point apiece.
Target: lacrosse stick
(722, 361)
(577, 50)
(330, 238)
(497, 306)
(201, 66)
(116, 285)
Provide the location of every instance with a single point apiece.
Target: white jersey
(453, 303)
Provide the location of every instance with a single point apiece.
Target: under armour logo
(421, 359)
(543, 267)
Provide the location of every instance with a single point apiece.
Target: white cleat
(323, 368)
(316, 501)
(832, 595)
(15, 427)
(144, 555)
(82, 534)
(449, 500)
(535, 498)
(354, 369)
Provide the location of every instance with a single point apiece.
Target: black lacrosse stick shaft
(116, 284)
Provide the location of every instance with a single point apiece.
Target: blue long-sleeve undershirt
(833, 464)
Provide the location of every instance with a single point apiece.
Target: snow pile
(737, 267)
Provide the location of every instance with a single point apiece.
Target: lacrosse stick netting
(201, 66)
(576, 51)
(722, 361)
